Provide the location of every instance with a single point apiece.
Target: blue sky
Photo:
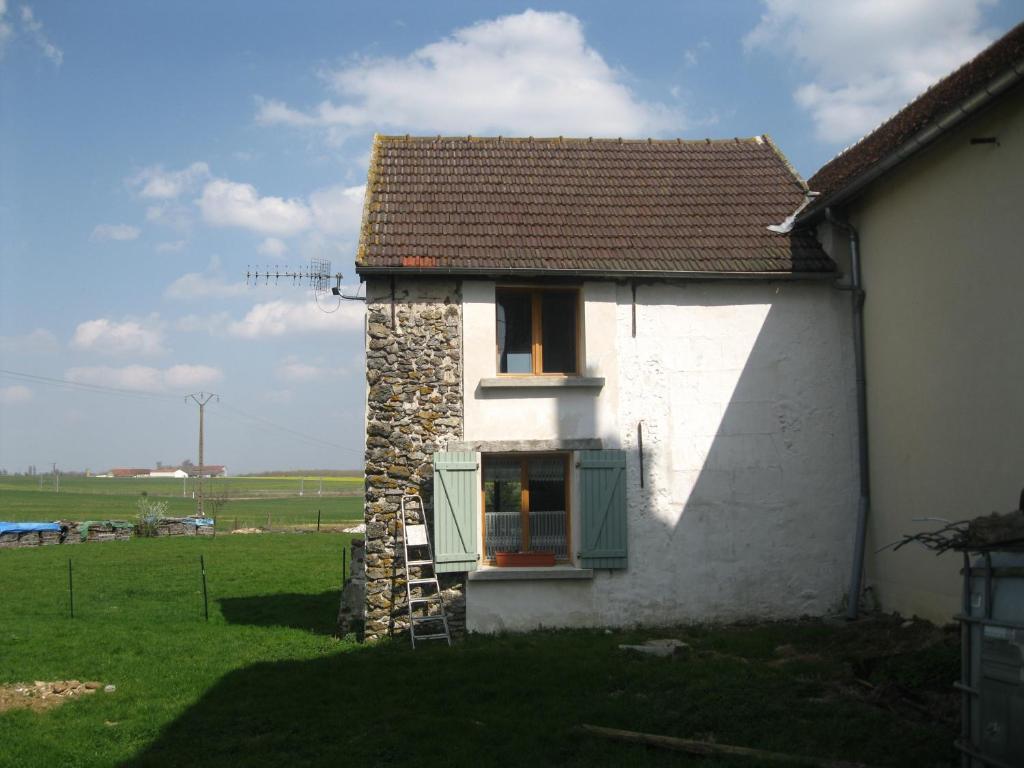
(150, 151)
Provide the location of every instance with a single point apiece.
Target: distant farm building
(128, 472)
(168, 472)
(209, 470)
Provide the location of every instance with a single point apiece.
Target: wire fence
(229, 519)
(170, 589)
(173, 587)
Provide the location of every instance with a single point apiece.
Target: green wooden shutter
(456, 486)
(603, 508)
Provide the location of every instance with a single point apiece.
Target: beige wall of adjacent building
(943, 269)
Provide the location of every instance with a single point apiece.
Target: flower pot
(525, 559)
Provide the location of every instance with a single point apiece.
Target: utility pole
(201, 399)
(56, 478)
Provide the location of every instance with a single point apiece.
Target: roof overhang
(1011, 77)
(592, 274)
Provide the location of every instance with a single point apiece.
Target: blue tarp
(27, 527)
(201, 520)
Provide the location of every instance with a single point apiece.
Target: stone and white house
(597, 350)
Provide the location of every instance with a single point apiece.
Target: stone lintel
(516, 446)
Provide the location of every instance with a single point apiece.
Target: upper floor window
(537, 330)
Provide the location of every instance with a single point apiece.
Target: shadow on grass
(518, 700)
(379, 706)
(314, 613)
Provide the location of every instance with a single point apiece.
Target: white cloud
(280, 318)
(129, 336)
(338, 210)
(115, 232)
(190, 376)
(868, 58)
(15, 394)
(526, 74)
(157, 183)
(692, 56)
(6, 30)
(171, 246)
(203, 285)
(297, 371)
(273, 246)
(279, 396)
(39, 340)
(213, 324)
(231, 204)
(34, 28)
(170, 214)
(141, 377)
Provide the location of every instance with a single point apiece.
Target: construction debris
(1003, 532)
(40, 695)
(661, 647)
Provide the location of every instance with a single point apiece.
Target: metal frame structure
(970, 690)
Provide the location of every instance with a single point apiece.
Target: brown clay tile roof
(932, 105)
(579, 205)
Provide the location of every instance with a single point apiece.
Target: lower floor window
(526, 504)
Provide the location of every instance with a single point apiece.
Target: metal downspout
(864, 503)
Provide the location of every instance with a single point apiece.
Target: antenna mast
(317, 276)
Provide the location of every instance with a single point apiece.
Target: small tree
(215, 501)
(149, 514)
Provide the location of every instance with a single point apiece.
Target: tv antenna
(317, 276)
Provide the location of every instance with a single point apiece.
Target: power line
(288, 430)
(68, 384)
(103, 389)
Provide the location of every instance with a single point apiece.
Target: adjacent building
(934, 197)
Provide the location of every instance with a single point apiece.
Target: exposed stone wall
(414, 408)
(353, 593)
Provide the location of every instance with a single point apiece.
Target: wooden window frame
(537, 331)
(524, 500)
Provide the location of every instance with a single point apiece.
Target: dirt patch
(248, 530)
(40, 695)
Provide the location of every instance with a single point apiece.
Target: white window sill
(553, 573)
(547, 382)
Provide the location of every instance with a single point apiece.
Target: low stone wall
(74, 532)
(176, 527)
(29, 539)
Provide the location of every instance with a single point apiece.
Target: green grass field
(248, 501)
(263, 682)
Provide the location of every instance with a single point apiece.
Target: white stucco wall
(531, 414)
(745, 391)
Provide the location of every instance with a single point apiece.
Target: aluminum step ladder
(416, 537)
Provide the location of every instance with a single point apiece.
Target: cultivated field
(236, 501)
(263, 682)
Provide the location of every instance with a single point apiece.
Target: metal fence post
(71, 590)
(206, 604)
(318, 521)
